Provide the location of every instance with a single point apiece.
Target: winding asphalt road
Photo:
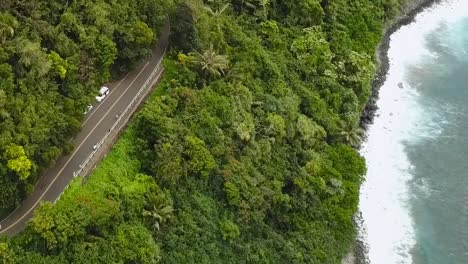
(94, 128)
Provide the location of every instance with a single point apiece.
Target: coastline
(412, 8)
(406, 17)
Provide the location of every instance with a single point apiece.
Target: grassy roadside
(120, 166)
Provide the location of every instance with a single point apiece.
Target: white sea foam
(388, 227)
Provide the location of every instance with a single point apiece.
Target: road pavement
(94, 128)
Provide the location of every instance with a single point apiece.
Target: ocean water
(414, 201)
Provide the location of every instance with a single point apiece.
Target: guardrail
(119, 118)
(133, 104)
(146, 85)
(145, 88)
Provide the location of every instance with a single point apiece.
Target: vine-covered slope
(243, 154)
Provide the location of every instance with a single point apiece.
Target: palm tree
(350, 134)
(157, 210)
(7, 25)
(217, 14)
(253, 4)
(5, 31)
(217, 34)
(210, 62)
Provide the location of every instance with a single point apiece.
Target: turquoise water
(439, 200)
(414, 201)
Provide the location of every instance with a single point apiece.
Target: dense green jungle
(244, 153)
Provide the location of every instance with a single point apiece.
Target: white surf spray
(388, 228)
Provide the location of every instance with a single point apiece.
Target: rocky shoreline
(406, 17)
(359, 253)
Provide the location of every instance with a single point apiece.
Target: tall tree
(210, 62)
(8, 23)
(157, 210)
(350, 134)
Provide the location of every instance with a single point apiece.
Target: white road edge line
(82, 125)
(69, 159)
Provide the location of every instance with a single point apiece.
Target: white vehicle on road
(88, 108)
(103, 92)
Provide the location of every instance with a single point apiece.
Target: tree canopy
(243, 154)
(53, 57)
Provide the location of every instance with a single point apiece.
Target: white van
(103, 92)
